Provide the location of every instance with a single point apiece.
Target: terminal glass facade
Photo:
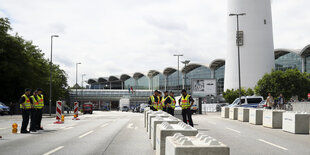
(288, 61)
(307, 64)
(198, 73)
(158, 82)
(219, 75)
(142, 83)
(129, 83)
(173, 82)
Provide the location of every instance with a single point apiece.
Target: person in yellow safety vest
(39, 108)
(25, 106)
(186, 102)
(33, 113)
(153, 101)
(160, 101)
(170, 104)
(164, 105)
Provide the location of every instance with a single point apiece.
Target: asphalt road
(100, 133)
(123, 133)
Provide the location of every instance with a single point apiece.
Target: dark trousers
(39, 118)
(33, 119)
(25, 115)
(170, 111)
(187, 113)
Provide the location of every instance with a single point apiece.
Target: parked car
(247, 101)
(125, 108)
(4, 109)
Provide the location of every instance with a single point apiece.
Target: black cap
(166, 91)
(183, 91)
(39, 89)
(27, 89)
(156, 91)
(172, 92)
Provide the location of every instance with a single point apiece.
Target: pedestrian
(170, 104)
(186, 101)
(33, 112)
(163, 103)
(269, 101)
(153, 101)
(40, 107)
(25, 106)
(160, 101)
(281, 101)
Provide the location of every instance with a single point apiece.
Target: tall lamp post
(239, 41)
(51, 63)
(76, 79)
(178, 55)
(82, 85)
(185, 63)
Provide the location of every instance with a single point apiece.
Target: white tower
(257, 52)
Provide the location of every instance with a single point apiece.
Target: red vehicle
(87, 108)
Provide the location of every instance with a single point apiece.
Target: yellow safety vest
(41, 101)
(172, 104)
(154, 104)
(35, 102)
(160, 103)
(185, 103)
(27, 103)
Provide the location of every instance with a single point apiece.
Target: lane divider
(233, 130)
(275, 145)
(54, 150)
(70, 127)
(85, 134)
(104, 125)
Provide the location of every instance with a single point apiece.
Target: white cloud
(111, 37)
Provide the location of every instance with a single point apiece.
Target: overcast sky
(111, 37)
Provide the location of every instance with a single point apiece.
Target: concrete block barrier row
(164, 130)
(178, 144)
(293, 122)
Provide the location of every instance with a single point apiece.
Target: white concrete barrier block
(146, 115)
(233, 113)
(201, 144)
(225, 112)
(158, 120)
(146, 110)
(256, 116)
(163, 131)
(297, 123)
(243, 114)
(151, 116)
(272, 119)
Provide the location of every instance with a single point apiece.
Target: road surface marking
(130, 126)
(283, 148)
(233, 130)
(70, 127)
(3, 128)
(54, 150)
(104, 125)
(87, 133)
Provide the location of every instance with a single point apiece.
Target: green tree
(290, 83)
(22, 65)
(230, 94)
(249, 92)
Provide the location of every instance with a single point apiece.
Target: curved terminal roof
(190, 67)
(305, 51)
(114, 78)
(138, 75)
(91, 81)
(125, 77)
(153, 73)
(169, 70)
(280, 52)
(103, 79)
(217, 63)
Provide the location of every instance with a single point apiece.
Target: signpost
(203, 87)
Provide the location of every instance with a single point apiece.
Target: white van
(247, 101)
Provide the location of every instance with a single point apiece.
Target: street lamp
(185, 63)
(238, 41)
(76, 78)
(82, 85)
(178, 55)
(51, 63)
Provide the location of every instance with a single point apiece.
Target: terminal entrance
(114, 105)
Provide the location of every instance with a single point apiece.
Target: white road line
(283, 148)
(104, 125)
(54, 150)
(3, 128)
(87, 133)
(130, 126)
(70, 127)
(233, 130)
